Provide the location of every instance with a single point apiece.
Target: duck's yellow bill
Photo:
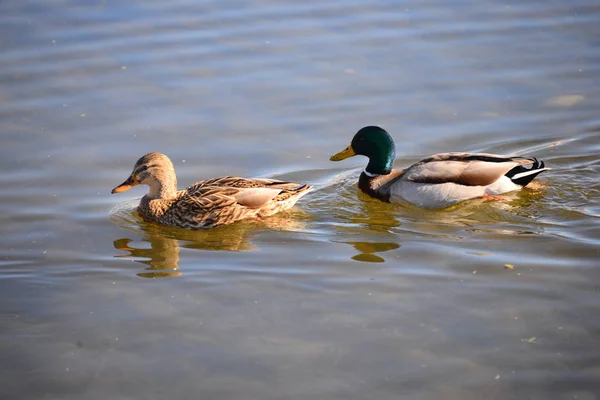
(128, 184)
(342, 155)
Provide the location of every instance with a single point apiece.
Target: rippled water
(343, 297)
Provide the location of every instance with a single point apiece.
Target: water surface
(342, 297)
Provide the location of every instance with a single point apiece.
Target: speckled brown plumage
(207, 203)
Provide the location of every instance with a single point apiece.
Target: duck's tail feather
(521, 175)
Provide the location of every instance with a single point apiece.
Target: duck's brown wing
(202, 208)
(480, 169)
(208, 206)
(239, 182)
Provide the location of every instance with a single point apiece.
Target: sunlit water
(342, 297)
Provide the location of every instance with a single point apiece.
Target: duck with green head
(440, 180)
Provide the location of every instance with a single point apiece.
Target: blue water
(343, 297)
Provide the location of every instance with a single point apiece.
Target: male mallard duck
(439, 180)
(208, 203)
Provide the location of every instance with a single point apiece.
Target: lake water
(343, 297)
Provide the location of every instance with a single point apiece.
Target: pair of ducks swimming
(437, 181)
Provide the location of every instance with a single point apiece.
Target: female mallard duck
(437, 181)
(208, 203)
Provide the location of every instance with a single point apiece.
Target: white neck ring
(370, 175)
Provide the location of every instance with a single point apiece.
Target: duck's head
(154, 170)
(376, 144)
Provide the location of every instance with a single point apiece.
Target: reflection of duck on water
(372, 218)
(163, 256)
(165, 242)
(367, 250)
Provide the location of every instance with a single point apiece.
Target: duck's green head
(376, 144)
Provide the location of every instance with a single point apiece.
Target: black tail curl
(522, 176)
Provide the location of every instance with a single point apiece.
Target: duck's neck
(371, 184)
(381, 162)
(164, 189)
(369, 174)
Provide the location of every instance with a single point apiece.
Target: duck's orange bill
(342, 155)
(128, 184)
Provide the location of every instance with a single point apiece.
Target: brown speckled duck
(437, 181)
(207, 203)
